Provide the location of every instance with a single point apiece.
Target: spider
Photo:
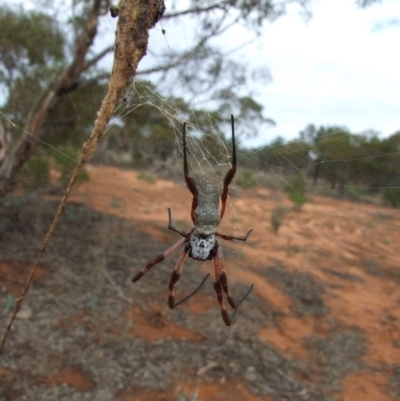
(200, 242)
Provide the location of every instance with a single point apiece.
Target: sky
(341, 67)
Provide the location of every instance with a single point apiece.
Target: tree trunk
(67, 82)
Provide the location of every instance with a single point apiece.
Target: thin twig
(136, 18)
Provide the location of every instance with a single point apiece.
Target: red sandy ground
(325, 234)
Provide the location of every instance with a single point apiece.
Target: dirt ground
(322, 323)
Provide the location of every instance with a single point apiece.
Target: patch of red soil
(234, 390)
(14, 274)
(141, 394)
(201, 303)
(152, 325)
(289, 333)
(262, 286)
(72, 375)
(365, 387)
(375, 303)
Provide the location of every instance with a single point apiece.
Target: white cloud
(337, 69)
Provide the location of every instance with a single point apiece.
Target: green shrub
(353, 193)
(277, 216)
(295, 184)
(246, 180)
(392, 195)
(297, 198)
(296, 187)
(146, 177)
(66, 163)
(35, 174)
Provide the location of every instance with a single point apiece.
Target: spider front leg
(189, 180)
(172, 228)
(237, 237)
(231, 173)
(158, 259)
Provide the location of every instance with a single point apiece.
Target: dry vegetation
(321, 324)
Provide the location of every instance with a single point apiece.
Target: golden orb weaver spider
(200, 242)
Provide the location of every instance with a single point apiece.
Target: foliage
(296, 187)
(246, 179)
(277, 216)
(298, 198)
(355, 164)
(353, 193)
(34, 49)
(66, 163)
(31, 54)
(146, 177)
(392, 195)
(36, 173)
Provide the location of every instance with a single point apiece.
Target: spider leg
(231, 173)
(221, 283)
(172, 228)
(230, 237)
(175, 277)
(158, 259)
(239, 302)
(189, 180)
(194, 292)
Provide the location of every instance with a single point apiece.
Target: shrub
(146, 177)
(35, 174)
(297, 198)
(277, 215)
(66, 163)
(353, 193)
(392, 195)
(246, 180)
(296, 187)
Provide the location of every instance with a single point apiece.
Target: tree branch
(197, 10)
(97, 58)
(136, 18)
(67, 82)
(174, 63)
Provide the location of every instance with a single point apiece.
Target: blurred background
(313, 87)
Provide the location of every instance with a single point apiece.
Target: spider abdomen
(200, 247)
(207, 213)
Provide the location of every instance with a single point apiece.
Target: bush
(353, 193)
(277, 216)
(392, 196)
(66, 163)
(146, 177)
(246, 180)
(297, 198)
(36, 173)
(296, 187)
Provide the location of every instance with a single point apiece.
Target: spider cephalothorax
(200, 243)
